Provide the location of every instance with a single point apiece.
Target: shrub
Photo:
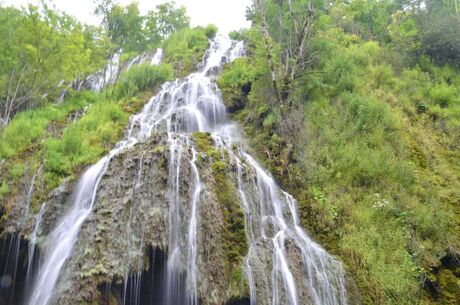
(142, 77)
(30, 125)
(86, 140)
(185, 49)
(442, 95)
(235, 83)
(210, 31)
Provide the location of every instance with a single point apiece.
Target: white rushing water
(184, 106)
(275, 218)
(33, 241)
(157, 57)
(136, 279)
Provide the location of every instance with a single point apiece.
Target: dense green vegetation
(43, 52)
(359, 117)
(130, 31)
(142, 77)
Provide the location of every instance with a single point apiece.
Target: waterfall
(108, 75)
(187, 105)
(61, 240)
(136, 280)
(279, 222)
(157, 57)
(191, 247)
(33, 241)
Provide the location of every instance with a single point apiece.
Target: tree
(440, 34)
(404, 33)
(164, 20)
(125, 27)
(42, 51)
(290, 30)
(103, 8)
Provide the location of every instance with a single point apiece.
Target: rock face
(131, 215)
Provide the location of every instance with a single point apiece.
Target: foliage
(142, 77)
(83, 142)
(130, 31)
(184, 49)
(210, 31)
(28, 126)
(235, 82)
(43, 51)
(440, 37)
(165, 20)
(125, 26)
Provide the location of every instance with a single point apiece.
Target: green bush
(235, 83)
(84, 141)
(210, 31)
(443, 95)
(142, 77)
(185, 49)
(30, 125)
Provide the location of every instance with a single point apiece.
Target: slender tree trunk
(269, 50)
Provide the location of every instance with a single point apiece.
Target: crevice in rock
(14, 262)
(149, 287)
(239, 301)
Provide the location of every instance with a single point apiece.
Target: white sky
(228, 15)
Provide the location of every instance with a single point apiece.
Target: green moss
(233, 232)
(449, 286)
(203, 141)
(98, 270)
(204, 144)
(17, 170)
(4, 190)
(159, 149)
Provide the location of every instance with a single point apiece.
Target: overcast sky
(226, 14)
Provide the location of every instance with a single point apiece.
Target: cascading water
(109, 74)
(11, 253)
(157, 57)
(33, 241)
(278, 221)
(194, 104)
(136, 279)
(61, 240)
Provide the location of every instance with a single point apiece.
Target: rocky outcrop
(130, 216)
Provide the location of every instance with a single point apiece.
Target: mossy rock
(233, 231)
